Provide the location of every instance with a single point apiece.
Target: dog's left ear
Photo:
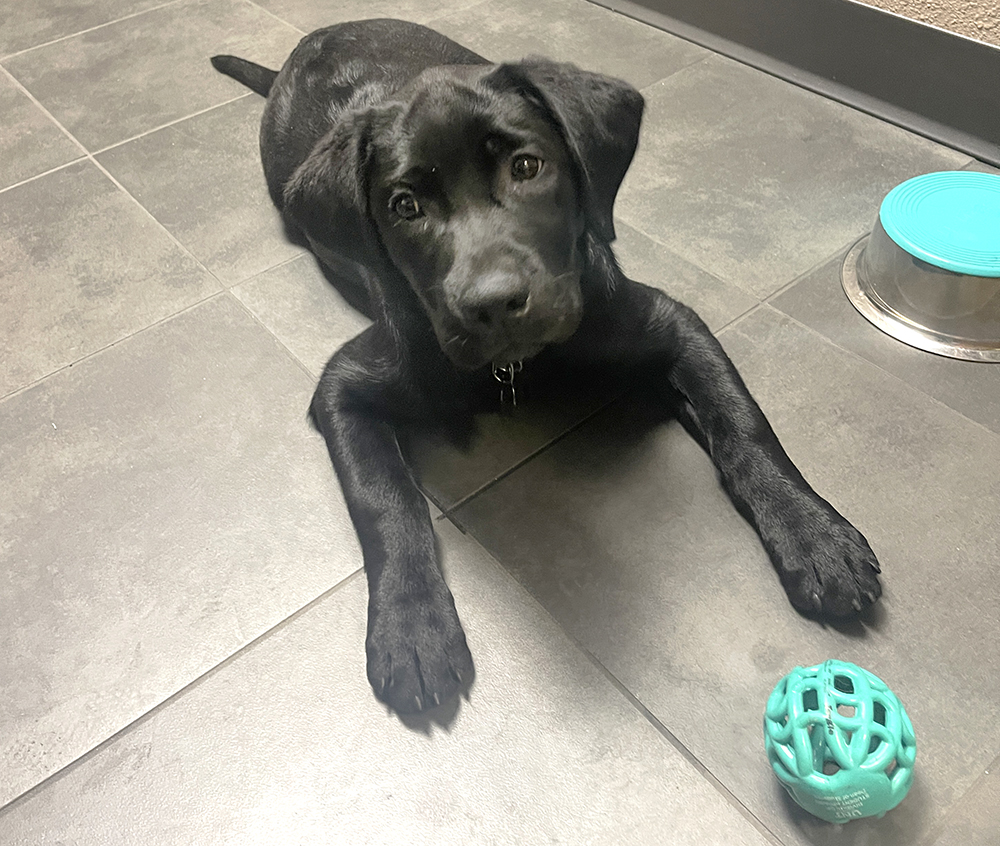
(327, 195)
(599, 117)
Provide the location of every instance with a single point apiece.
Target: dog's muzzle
(504, 317)
(497, 303)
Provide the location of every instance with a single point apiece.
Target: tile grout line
(632, 700)
(786, 287)
(90, 29)
(171, 123)
(180, 692)
(839, 252)
(899, 380)
(260, 324)
(683, 69)
(23, 89)
(668, 249)
(88, 156)
(271, 14)
(81, 158)
(685, 752)
(83, 358)
(159, 322)
(85, 154)
(768, 301)
(449, 512)
(156, 222)
(736, 321)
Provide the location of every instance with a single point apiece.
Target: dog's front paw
(417, 654)
(826, 566)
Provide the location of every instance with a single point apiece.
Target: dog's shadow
(617, 439)
(459, 454)
(442, 716)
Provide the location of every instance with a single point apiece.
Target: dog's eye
(525, 167)
(405, 205)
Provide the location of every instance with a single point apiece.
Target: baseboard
(930, 81)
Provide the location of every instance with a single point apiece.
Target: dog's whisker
(461, 340)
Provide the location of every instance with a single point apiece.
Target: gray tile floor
(181, 612)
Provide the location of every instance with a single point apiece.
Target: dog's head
(478, 188)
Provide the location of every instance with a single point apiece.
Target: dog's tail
(255, 77)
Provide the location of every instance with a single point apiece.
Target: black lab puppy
(470, 204)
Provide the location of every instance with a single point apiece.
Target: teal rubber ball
(839, 741)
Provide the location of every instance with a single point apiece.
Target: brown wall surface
(979, 19)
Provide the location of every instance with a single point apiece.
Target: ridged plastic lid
(949, 219)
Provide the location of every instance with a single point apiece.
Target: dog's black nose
(494, 301)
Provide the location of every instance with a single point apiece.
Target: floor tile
(27, 25)
(622, 532)
(308, 15)
(296, 303)
(717, 302)
(450, 472)
(818, 300)
(126, 78)
(758, 181)
(286, 744)
(981, 167)
(593, 37)
(165, 502)
(202, 179)
(83, 267)
(30, 143)
(976, 820)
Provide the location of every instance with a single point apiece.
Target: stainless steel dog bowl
(929, 273)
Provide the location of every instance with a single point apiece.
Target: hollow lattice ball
(839, 741)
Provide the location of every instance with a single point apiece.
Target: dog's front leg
(826, 566)
(416, 648)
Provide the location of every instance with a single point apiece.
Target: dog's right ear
(327, 195)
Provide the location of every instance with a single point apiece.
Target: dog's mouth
(470, 352)
(515, 354)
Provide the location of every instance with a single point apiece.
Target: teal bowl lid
(949, 219)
